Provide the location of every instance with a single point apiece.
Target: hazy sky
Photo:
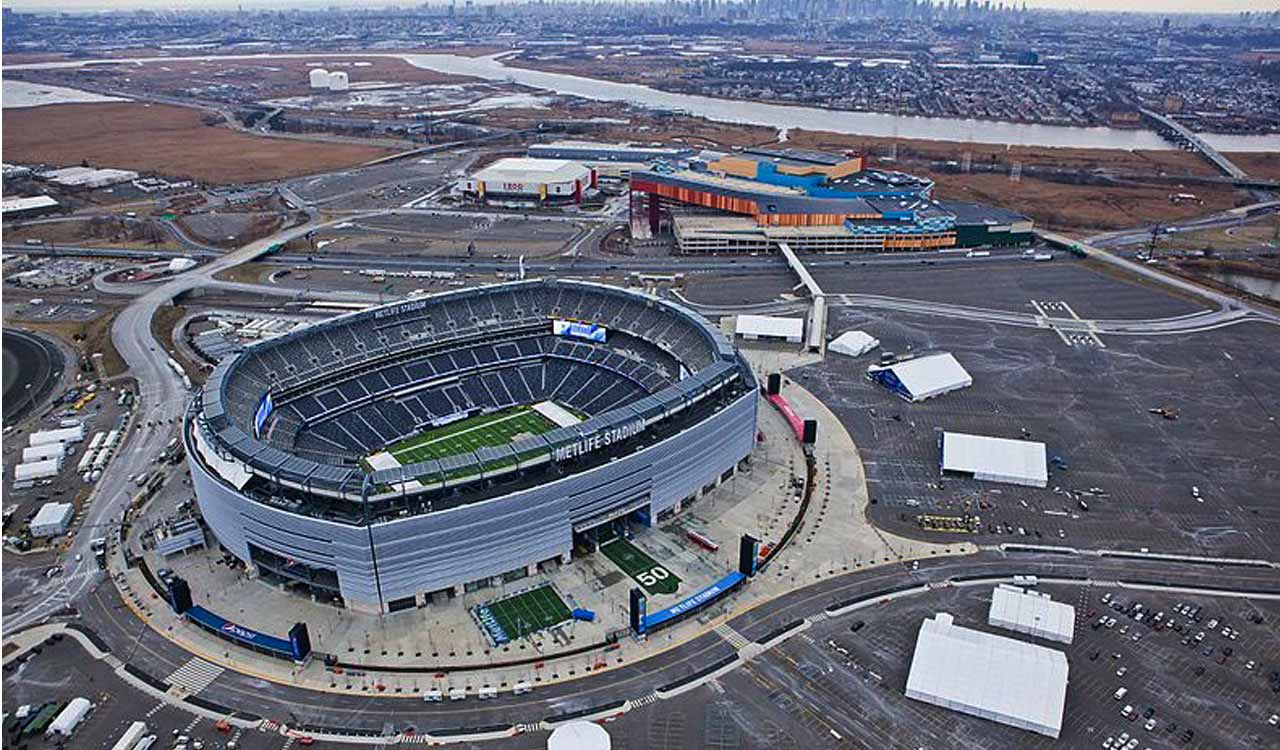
(1153, 6)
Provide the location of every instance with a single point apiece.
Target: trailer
(44, 452)
(113, 439)
(63, 435)
(96, 443)
(86, 462)
(36, 470)
(136, 731)
(101, 461)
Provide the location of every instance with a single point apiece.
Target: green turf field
(517, 616)
(488, 430)
(655, 578)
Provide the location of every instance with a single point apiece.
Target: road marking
(194, 676)
(735, 639)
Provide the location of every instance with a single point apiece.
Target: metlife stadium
(386, 455)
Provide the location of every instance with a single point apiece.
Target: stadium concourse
(445, 645)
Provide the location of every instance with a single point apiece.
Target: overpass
(1183, 135)
(817, 339)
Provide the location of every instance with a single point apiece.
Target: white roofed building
(989, 676)
(33, 206)
(1031, 612)
(530, 181)
(922, 377)
(52, 519)
(757, 327)
(992, 459)
(88, 177)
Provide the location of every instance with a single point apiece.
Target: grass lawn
(517, 616)
(633, 561)
(488, 430)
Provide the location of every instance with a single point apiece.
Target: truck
(131, 737)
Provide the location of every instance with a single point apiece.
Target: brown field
(104, 231)
(1081, 209)
(86, 338)
(173, 141)
(1264, 164)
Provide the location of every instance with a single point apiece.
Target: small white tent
(853, 343)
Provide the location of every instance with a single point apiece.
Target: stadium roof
(995, 459)
(923, 377)
(1032, 613)
(524, 169)
(989, 676)
(767, 326)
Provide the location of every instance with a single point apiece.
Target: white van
(1120, 694)
(457, 694)
(433, 696)
(487, 692)
(521, 687)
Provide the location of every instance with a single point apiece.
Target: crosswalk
(533, 726)
(644, 700)
(194, 676)
(735, 639)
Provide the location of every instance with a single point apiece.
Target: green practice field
(655, 578)
(515, 617)
(488, 430)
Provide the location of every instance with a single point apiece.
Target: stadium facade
(756, 199)
(283, 438)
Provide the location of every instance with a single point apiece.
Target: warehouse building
(53, 519)
(769, 328)
(530, 182)
(1031, 612)
(989, 676)
(611, 160)
(25, 208)
(979, 225)
(922, 378)
(992, 459)
(88, 177)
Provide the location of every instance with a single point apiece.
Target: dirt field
(86, 338)
(1081, 209)
(101, 231)
(1265, 164)
(172, 141)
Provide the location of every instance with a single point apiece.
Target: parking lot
(832, 679)
(61, 672)
(1126, 477)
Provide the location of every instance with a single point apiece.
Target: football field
(633, 561)
(466, 435)
(516, 616)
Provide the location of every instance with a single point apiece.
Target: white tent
(71, 716)
(579, 735)
(1031, 612)
(753, 327)
(989, 676)
(853, 343)
(993, 459)
(923, 377)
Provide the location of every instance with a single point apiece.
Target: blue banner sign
(264, 411)
(588, 331)
(698, 600)
(224, 628)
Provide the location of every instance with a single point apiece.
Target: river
(755, 113)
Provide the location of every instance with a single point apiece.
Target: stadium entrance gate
(590, 533)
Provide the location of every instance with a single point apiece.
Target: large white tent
(853, 343)
(753, 327)
(994, 459)
(989, 676)
(1031, 612)
(922, 377)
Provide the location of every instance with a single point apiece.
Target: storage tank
(338, 81)
(319, 78)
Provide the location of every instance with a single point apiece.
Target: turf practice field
(498, 428)
(655, 578)
(512, 618)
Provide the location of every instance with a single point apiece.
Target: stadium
(432, 446)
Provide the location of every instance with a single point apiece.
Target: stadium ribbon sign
(602, 439)
(698, 600)
(265, 408)
(588, 331)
